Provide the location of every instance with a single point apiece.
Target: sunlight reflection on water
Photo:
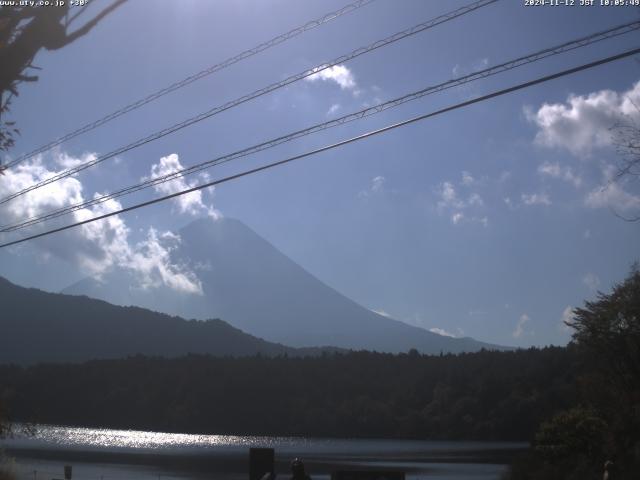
(172, 454)
(47, 436)
(137, 439)
(77, 438)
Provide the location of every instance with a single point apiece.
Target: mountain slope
(38, 326)
(249, 283)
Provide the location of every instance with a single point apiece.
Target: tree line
(484, 395)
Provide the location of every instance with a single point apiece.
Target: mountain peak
(255, 287)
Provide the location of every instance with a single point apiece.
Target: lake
(107, 454)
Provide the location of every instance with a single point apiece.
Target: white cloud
(339, 74)
(509, 203)
(104, 242)
(333, 109)
(468, 90)
(457, 217)
(459, 70)
(521, 327)
(94, 247)
(377, 186)
(592, 281)
(52, 196)
(442, 332)
(190, 203)
(481, 64)
(475, 199)
(450, 201)
(536, 199)
(584, 121)
(555, 170)
(612, 194)
(467, 179)
(151, 260)
(449, 197)
(587, 234)
(377, 183)
(567, 316)
(66, 161)
(581, 125)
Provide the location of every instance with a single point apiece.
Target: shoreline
(230, 462)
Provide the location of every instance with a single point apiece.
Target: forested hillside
(37, 326)
(484, 395)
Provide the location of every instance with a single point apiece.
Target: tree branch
(87, 27)
(622, 217)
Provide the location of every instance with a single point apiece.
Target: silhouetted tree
(576, 442)
(609, 330)
(24, 31)
(4, 423)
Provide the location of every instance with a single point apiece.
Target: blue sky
(489, 222)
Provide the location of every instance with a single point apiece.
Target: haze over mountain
(247, 282)
(38, 326)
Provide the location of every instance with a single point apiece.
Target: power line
(258, 93)
(490, 71)
(363, 136)
(195, 77)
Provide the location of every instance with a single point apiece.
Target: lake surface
(106, 454)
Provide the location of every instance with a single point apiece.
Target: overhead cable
(193, 78)
(487, 72)
(258, 93)
(268, 166)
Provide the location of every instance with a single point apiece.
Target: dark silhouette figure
(609, 471)
(297, 470)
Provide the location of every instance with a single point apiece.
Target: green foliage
(578, 431)
(8, 131)
(532, 467)
(609, 330)
(575, 443)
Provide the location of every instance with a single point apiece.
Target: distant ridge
(37, 326)
(253, 286)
